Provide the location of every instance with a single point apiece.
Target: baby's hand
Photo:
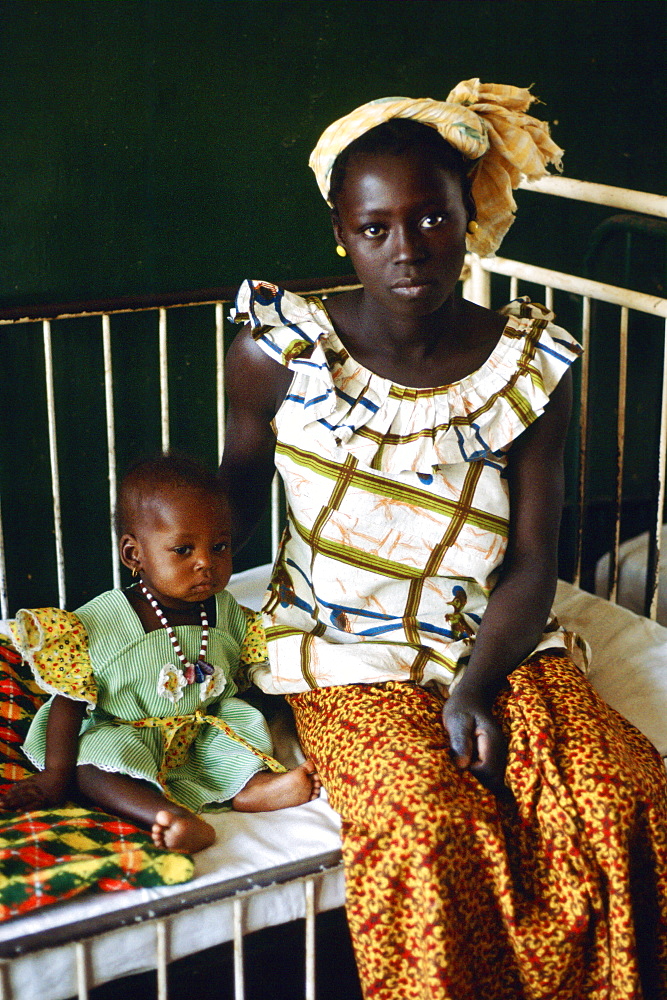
(40, 791)
(477, 741)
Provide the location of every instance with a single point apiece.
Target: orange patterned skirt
(454, 895)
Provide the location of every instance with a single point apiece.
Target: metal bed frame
(477, 286)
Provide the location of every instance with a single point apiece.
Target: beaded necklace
(194, 672)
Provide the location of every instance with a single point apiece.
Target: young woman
(504, 832)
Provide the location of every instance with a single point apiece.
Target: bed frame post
(239, 982)
(653, 569)
(220, 375)
(53, 455)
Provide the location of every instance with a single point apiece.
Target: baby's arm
(50, 786)
(519, 606)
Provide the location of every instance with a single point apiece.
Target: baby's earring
(341, 251)
(473, 226)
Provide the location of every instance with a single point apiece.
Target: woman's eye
(372, 232)
(182, 550)
(220, 546)
(431, 221)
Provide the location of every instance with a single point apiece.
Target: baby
(143, 721)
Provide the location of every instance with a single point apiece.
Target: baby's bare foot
(181, 832)
(267, 791)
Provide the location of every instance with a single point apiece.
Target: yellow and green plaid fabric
(54, 854)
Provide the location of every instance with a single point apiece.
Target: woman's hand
(477, 742)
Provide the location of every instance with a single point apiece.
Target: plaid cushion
(54, 854)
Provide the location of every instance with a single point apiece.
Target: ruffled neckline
(393, 427)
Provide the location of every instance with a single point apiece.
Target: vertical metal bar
(275, 517)
(480, 283)
(620, 452)
(111, 443)
(239, 984)
(4, 602)
(164, 380)
(220, 375)
(53, 455)
(514, 288)
(583, 436)
(161, 957)
(653, 576)
(310, 939)
(549, 297)
(81, 970)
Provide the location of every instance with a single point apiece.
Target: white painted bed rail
(600, 194)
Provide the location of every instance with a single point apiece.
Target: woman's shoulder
(535, 343)
(285, 326)
(495, 404)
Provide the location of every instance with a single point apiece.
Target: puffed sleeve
(55, 644)
(253, 648)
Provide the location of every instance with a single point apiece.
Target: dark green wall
(154, 146)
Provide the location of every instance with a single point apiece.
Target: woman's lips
(412, 288)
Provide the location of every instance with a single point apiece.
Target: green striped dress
(200, 747)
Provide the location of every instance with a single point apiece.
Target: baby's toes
(316, 788)
(157, 835)
(163, 819)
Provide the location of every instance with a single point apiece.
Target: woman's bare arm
(518, 608)
(256, 387)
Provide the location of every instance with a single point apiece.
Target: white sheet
(629, 670)
(246, 843)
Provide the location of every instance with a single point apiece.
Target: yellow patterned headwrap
(486, 122)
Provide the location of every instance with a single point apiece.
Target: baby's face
(184, 547)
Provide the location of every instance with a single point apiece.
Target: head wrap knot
(486, 122)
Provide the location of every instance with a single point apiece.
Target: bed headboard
(132, 376)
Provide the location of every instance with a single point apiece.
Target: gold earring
(341, 251)
(135, 571)
(473, 227)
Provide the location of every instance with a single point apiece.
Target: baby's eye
(220, 546)
(182, 550)
(431, 221)
(373, 231)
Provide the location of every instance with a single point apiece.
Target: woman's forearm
(512, 626)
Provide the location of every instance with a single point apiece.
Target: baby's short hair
(149, 477)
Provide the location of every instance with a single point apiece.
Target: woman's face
(402, 220)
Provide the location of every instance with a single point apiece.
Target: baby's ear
(129, 549)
